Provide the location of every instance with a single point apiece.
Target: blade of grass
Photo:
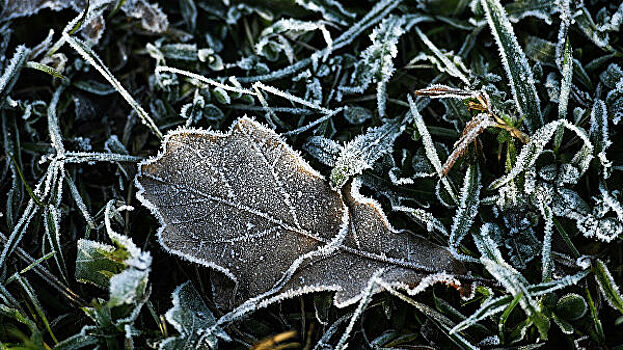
(95, 61)
(515, 64)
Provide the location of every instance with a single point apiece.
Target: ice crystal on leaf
(245, 204)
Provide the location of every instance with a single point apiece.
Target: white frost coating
(429, 147)
(608, 286)
(554, 285)
(325, 150)
(290, 28)
(53, 127)
(591, 223)
(424, 217)
(361, 152)
(515, 64)
(138, 259)
(565, 22)
(203, 79)
(599, 135)
(544, 199)
(154, 210)
(490, 307)
(290, 97)
(192, 318)
(567, 77)
(380, 11)
(376, 62)
(11, 72)
(466, 211)
(609, 200)
(510, 278)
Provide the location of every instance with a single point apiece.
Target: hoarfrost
(361, 152)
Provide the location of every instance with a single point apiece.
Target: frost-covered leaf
(429, 147)
(598, 30)
(276, 38)
(427, 219)
(325, 150)
(515, 63)
(490, 307)
(590, 222)
(571, 307)
(245, 204)
(467, 210)
(544, 199)
(151, 15)
(191, 317)
(565, 84)
(514, 283)
(376, 63)
(608, 286)
(124, 270)
(599, 135)
(453, 68)
(361, 152)
(97, 262)
(12, 71)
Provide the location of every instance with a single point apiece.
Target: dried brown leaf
(247, 205)
(473, 128)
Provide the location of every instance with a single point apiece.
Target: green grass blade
(515, 63)
(96, 62)
(607, 285)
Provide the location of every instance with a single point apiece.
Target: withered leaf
(246, 204)
(473, 128)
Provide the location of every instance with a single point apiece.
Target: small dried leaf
(246, 204)
(473, 128)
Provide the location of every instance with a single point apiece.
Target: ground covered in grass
(489, 128)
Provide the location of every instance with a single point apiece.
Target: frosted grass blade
(97, 63)
(515, 64)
